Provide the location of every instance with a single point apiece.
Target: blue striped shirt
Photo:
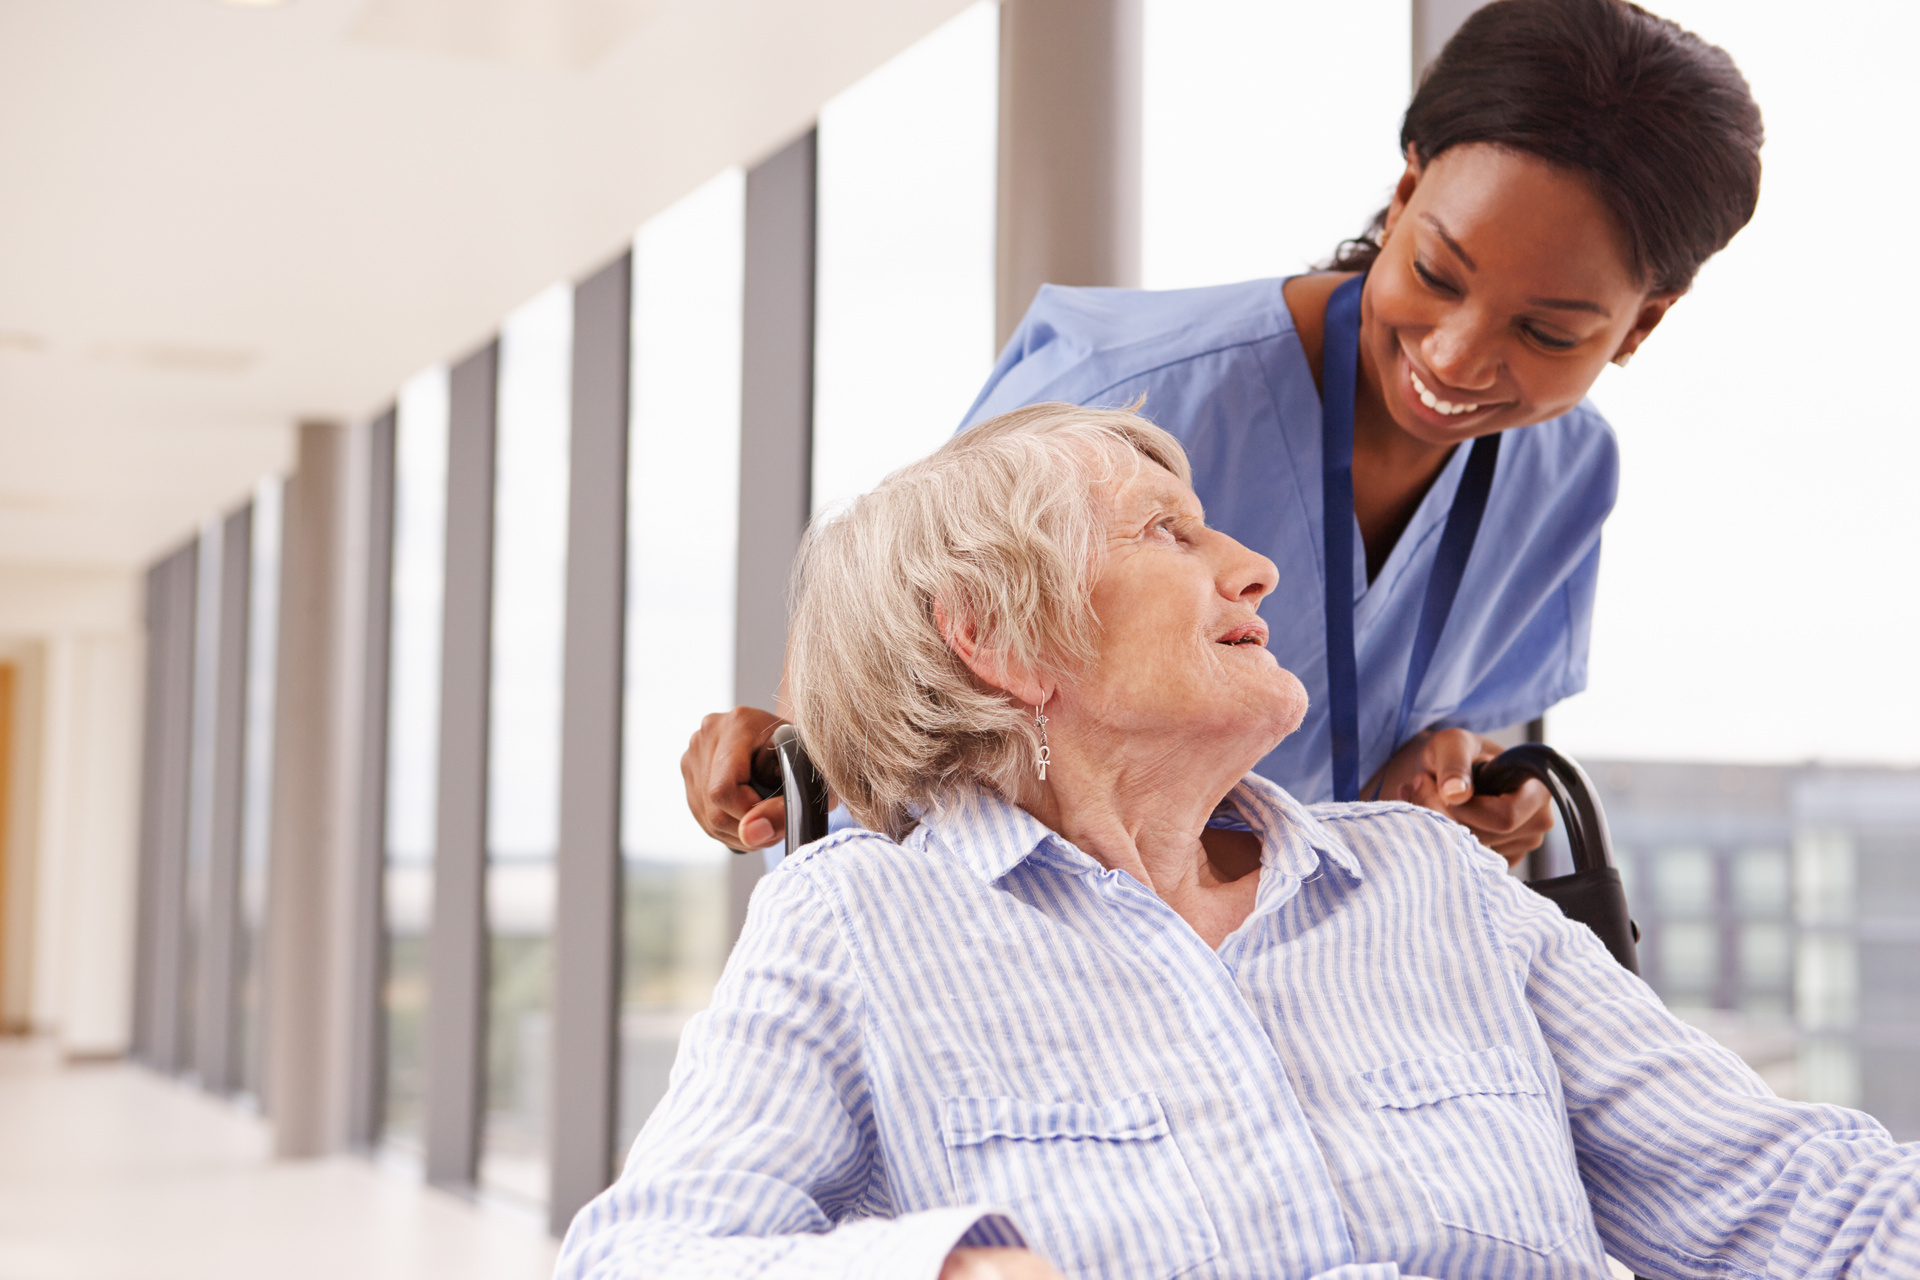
(1404, 1063)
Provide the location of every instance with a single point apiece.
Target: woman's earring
(1045, 756)
(1623, 358)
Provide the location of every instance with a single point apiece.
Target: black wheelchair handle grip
(782, 768)
(1568, 784)
(765, 776)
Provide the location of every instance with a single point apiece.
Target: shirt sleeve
(1692, 1166)
(762, 1158)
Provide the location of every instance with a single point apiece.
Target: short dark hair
(1660, 122)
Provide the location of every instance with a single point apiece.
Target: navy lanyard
(1339, 377)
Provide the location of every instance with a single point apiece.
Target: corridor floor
(108, 1172)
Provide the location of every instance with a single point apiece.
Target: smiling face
(1182, 653)
(1501, 292)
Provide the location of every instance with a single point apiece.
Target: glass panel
(1253, 170)
(523, 769)
(413, 738)
(1761, 882)
(1823, 878)
(1683, 882)
(683, 531)
(256, 799)
(1689, 959)
(1766, 957)
(904, 335)
(1826, 981)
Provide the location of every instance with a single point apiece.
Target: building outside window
(523, 774)
(1779, 909)
(256, 800)
(413, 742)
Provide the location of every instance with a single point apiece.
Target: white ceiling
(216, 221)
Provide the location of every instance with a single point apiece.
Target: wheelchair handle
(1571, 789)
(782, 768)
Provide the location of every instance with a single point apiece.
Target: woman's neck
(1146, 814)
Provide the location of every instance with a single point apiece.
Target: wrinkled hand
(1434, 771)
(997, 1264)
(716, 768)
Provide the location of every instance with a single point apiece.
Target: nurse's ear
(1652, 312)
(1402, 192)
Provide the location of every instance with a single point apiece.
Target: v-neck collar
(1429, 518)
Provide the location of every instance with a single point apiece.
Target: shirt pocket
(1100, 1188)
(1483, 1138)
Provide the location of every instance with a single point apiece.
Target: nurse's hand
(717, 768)
(1434, 771)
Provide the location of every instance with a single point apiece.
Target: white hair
(1000, 530)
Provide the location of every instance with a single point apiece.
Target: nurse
(1405, 433)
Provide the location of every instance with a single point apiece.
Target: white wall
(20, 838)
(83, 964)
(70, 967)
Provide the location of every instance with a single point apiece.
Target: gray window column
(1069, 197)
(776, 430)
(457, 942)
(164, 894)
(147, 854)
(367, 937)
(217, 1051)
(586, 932)
(163, 813)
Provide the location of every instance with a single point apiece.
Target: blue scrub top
(1222, 369)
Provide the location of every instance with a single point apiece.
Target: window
(256, 800)
(523, 768)
(904, 339)
(682, 531)
(413, 739)
(1271, 133)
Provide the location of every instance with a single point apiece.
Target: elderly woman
(1088, 997)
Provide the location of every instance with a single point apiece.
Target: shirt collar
(990, 835)
(1293, 842)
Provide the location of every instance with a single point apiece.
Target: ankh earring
(1044, 757)
(1623, 358)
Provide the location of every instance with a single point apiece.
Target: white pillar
(308, 987)
(1069, 191)
(87, 906)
